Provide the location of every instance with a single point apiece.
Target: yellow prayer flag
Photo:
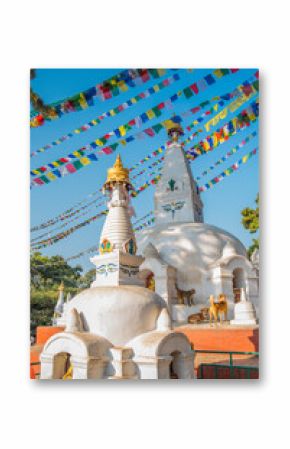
(50, 176)
(55, 163)
(77, 131)
(99, 142)
(122, 130)
(206, 145)
(122, 85)
(134, 100)
(123, 142)
(83, 101)
(150, 113)
(85, 161)
(218, 73)
(216, 107)
(251, 116)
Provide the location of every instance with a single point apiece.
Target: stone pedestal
(117, 268)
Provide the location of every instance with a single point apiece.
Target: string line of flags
(77, 160)
(54, 239)
(155, 111)
(243, 91)
(122, 82)
(109, 88)
(235, 125)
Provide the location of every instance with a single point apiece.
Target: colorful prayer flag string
(151, 113)
(227, 155)
(111, 113)
(78, 159)
(233, 168)
(104, 91)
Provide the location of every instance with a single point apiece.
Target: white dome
(190, 247)
(118, 313)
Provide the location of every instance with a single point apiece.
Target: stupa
(117, 329)
(185, 258)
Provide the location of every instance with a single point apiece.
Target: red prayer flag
(145, 75)
(107, 150)
(194, 88)
(70, 168)
(149, 132)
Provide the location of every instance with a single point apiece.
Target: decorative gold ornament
(117, 173)
(106, 246)
(174, 132)
(69, 374)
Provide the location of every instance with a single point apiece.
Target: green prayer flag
(256, 85)
(157, 128)
(44, 179)
(187, 92)
(77, 164)
(156, 111)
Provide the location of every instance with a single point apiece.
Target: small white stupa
(245, 313)
(117, 328)
(59, 307)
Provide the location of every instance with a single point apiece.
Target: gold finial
(61, 287)
(174, 132)
(117, 173)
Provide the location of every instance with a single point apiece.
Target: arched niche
(86, 353)
(159, 354)
(239, 283)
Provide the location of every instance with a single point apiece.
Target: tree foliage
(250, 221)
(46, 275)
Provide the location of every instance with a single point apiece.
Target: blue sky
(222, 204)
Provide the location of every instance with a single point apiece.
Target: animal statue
(198, 317)
(217, 309)
(185, 295)
(69, 374)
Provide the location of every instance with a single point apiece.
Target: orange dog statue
(217, 309)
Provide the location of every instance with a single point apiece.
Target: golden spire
(117, 173)
(61, 287)
(174, 131)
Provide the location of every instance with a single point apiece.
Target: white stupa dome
(191, 248)
(118, 313)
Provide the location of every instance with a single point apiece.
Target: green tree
(250, 221)
(47, 272)
(46, 275)
(87, 278)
